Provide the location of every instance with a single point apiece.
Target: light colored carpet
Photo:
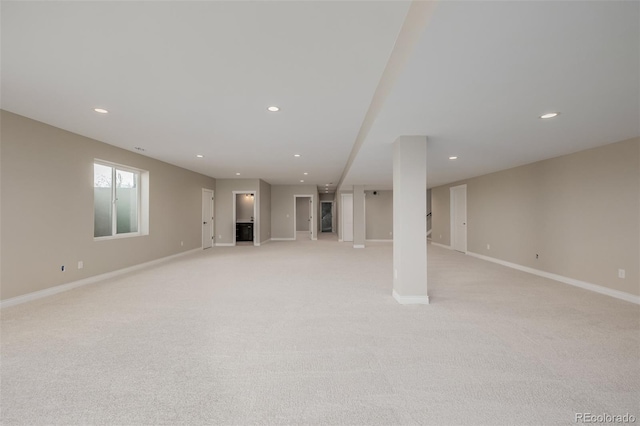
(307, 333)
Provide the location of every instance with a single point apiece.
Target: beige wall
(265, 211)
(379, 215)
(47, 208)
(225, 222)
(282, 203)
(580, 213)
(244, 208)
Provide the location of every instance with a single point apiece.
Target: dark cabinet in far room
(244, 231)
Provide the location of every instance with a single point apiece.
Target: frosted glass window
(126, 202)
(102, 200)
(116, 200)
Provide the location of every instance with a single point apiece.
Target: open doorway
(303, 223)
(326, 216)
(244, 217)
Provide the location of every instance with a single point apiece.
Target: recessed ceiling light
(297, 155)
(101, 110)
(550, 115)
(301, 180)
(199, 155)
(326, 184)
(273, 108)
(305, 173)
(237, 174)
(453, 158)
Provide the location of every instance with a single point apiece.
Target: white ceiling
(483, 72)
(187, 78)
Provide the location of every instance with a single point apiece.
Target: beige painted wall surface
(47, 208)
(225, 222)
(265, 211)
(282, 203)
(580, 213)
(379, 215)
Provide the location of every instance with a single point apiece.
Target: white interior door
(207, 218)
(458, 196)
(347, 217)
(310, 219)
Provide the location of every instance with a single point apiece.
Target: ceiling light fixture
(305, 173)
(237, 174)
(301, 180)
(453, 158)
(297, 155)
(273, 108)
(199, 155)
(550, 115)
(101, 110)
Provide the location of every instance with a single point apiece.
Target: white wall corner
(411, 300)
(566, 280)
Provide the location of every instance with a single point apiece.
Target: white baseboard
(225, 245)
(440, 245)
(265, 242)
(358, 246)
(566, 280)
(379, 241)
(89, 280)
(411, 300)
(339, 240)
(282, 239)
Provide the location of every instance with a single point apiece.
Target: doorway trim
(212, 219)
(312, 216)
(452, 217)
(256, 218)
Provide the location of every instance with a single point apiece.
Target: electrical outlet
(440, 236)
(390, 233)
(80, 264)
(219, 236)
(488, 246)
(181, 243)
(621, 273)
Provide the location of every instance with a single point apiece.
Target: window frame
(142, 187)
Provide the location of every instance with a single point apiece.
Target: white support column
(409, 220)
(359, 226)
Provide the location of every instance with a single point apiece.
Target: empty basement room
(223, 213)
